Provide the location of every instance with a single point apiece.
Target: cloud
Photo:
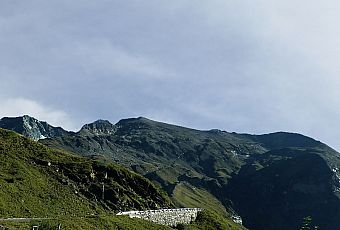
(101, 58)
(12, 107)
(247, 66)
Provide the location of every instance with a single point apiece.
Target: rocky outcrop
(99, 127)
(31, 127)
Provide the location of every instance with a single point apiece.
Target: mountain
(63, 188)
(272, 181)
(36, 181)
(31, 127)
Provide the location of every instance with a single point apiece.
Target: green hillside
(209, 220)
(205, 221)
(37, 181)
(104, 222)
(62, 188)
(189, 164)
(166, 154)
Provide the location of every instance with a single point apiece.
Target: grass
(36, 181)
(39, 182)
(102, 222)
(186, 195)
(207, 220)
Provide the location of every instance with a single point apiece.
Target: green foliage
(307, 224)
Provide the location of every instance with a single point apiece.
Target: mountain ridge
(31, 127)
(190, 164)
(6, 125)
(46, 187)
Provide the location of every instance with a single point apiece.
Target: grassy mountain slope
(99, 223)
(164, 153)
(205, 221)
(225, 165)
(186, 195)
(210, 220)
(37, 181)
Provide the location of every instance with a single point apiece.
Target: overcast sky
(253, 66)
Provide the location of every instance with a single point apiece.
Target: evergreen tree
(307, 224)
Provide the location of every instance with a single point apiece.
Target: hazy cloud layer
(245, 66)
(20, 106)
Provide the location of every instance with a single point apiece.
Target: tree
(307, 224)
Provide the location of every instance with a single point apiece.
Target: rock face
(31, 127)
(99, 127)
(272, 181)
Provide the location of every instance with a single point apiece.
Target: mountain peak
(137, 120)
(102, 121)
(27, 117)
(31, 127)
(134, 119)
(98, 127)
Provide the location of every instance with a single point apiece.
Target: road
(21, 219)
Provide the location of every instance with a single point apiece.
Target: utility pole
(103, 191)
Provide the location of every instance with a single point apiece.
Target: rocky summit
(271, 181)
(31, 127)
(99, 127)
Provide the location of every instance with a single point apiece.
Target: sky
(251, 66)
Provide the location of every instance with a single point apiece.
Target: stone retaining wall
(170, 217)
